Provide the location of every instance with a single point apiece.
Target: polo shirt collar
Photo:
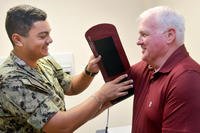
(179, 54)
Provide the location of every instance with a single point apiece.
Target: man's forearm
(79, 83)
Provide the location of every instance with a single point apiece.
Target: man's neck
(30, 62)
(161, 61)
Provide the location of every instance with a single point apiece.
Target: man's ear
(17, 39)
(171, 35)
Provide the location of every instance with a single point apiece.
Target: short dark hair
(20, 19)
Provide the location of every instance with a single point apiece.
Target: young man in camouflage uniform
(33, 85)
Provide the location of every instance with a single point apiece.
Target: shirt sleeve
(181, 111)
(42, 114)
(64, 79)
(29, 101)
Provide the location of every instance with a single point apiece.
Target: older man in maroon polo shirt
(167, 80)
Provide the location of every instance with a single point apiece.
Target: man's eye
(144, 35)
(42, 37)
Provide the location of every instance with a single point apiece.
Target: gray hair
(166, 18)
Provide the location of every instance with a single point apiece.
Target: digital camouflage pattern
(29, 97)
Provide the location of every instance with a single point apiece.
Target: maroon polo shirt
(167, 101)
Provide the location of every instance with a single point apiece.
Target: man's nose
(49, 40)
(139, 41)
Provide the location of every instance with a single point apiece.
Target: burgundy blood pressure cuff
(104, 40)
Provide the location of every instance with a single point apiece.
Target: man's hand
(92, 64)
(114, 89)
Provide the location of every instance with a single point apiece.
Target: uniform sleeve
(29, 101)
(63, 78)
(181, 111)
(42, 114)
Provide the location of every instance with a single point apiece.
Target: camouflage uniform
(29, 97)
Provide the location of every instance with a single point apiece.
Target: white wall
(70, 19)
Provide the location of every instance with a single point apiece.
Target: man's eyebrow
(142, 32)
(43, 32)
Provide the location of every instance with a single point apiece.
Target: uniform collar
(19, 62)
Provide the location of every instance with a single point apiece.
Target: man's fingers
(93, 61)
(123, 90)
(120, 78)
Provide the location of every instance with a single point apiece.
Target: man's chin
(44, 55)
(145, 59)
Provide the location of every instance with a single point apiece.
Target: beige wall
(70, 19)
